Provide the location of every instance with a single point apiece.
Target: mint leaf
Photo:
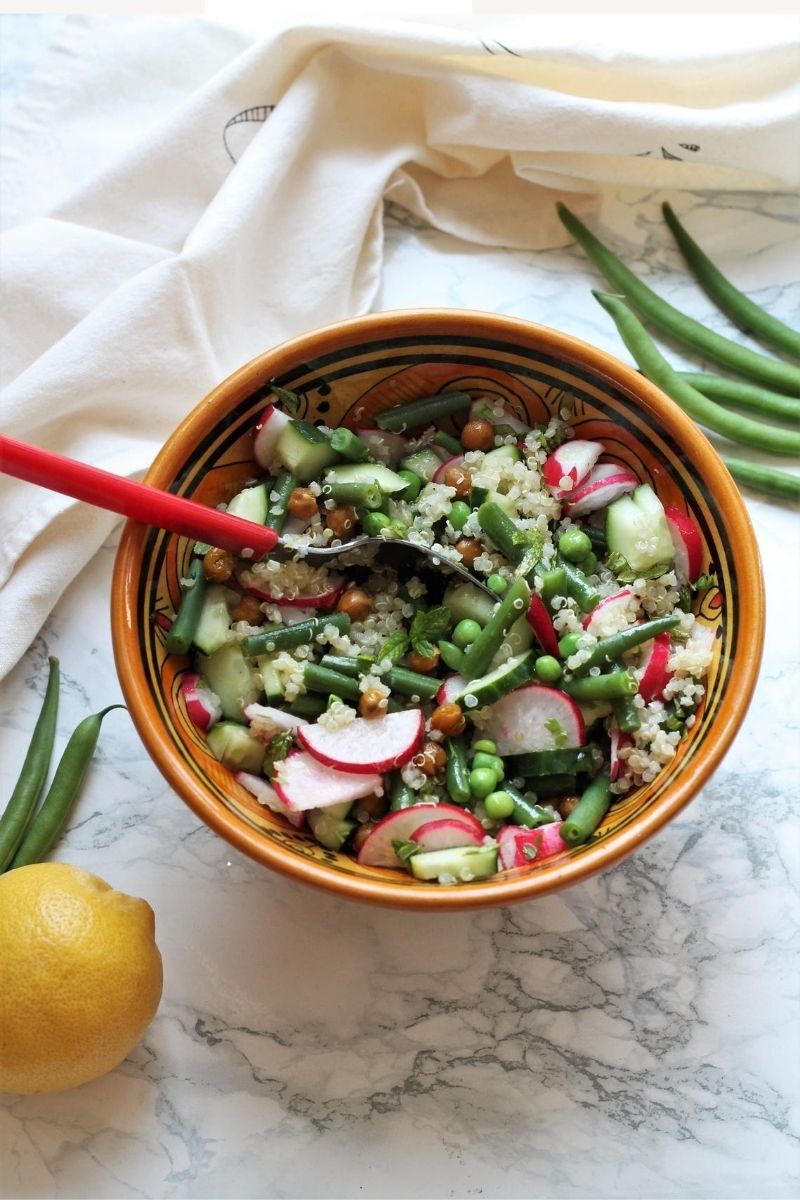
(290, 400)
(703, 583)
(427, 628)
(405, 850)
(394, 648)
(277, 750)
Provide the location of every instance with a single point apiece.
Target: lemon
(80, 977)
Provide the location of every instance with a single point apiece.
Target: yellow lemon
(80, 977)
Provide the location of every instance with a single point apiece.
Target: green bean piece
(764, 479)
(346, 665)
(771, 372)
(743, 311)
(602, 687)
(512, 606)
(183, 628)
(413, 485)
(456, 774)
(345, 443)
(579, 587)
(286, 637)
(321, 679)
(626, 714)
(656, 368)
(568, 644)
(422, 412)
(451, 445)
(609, 649)
(501, 531)
(28, 787)
(401, 795)
(411, 683)
(374, 523)
(309, 707)
(452, 656)
(525, 811)
(574, 545)
(359, 495)
(596, 536)
(741, 394)
(48, 824)
(554, 583)
(588, 812)
(282, 488)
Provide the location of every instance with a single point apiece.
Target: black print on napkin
(259, 114)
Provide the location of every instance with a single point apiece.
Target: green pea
(465, 633)
(413, 484)
(574, 545)
(485, 746)
(547, 668)
(499, 805)
(491, 762)
(497, 584)
(459, 514)
(482, 781)
(568, 645)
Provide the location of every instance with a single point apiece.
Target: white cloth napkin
(177, 198)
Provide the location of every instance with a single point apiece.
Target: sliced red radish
(542, 843)
(265, 435)
(202, 704)
(688, 543)
(446, 835)
(272, 718)
(367, 746)
(477, 412)
(301, 782)
(385, 447)
(541, 623)
(610, 609)
(265, 794)
(531, 718)
(457, 460)
(618, 742)
(327, 598)
(654, 672)
(605, 483)
(452, 686)
(378, 850)
(569, 465)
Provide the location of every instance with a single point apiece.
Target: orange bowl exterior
(379, 360)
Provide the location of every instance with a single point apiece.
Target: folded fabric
(178, 198)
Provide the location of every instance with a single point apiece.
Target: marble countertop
(636, 1036)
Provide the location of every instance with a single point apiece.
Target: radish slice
(611, 609)
(688, 543)
(571, 462)
(202, 704)
(477, 413)
(327, 598)
(513, 839)
(618, 741)
(655, 674)
(378, 850)
(366, 746)
(541, 623)
(265, 794)
(265, 435)
(605, 483)
(385, 447)
(457, 460)
(518, 722)
(446, 835)
(453, 685)
(301, 783)
(271, 719)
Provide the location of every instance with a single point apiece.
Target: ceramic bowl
(345, 373)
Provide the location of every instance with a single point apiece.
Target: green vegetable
(588, 813)
(182, 631)
(764, 479)
(579, 587)
(499, 805)
(744, 395)
(497, 584)
(460, 513)
(482, 781)
(521, 547)
(286, 637)
(525, 811)
(350, 447)
(568, 645)
(427, 628)
(609, 649)
(557, 730)
(540, 763)
(282, 488)
(422, 412)
(452, 657)
(359, 495)
(465, 633)
(308, 707)
(574, 545)
(480, 654)
(602, 687)
(456, 775)
(554, 583)
(289, 400)
(491, 761)
(451, 444)
(375, 523)
(395, 646)
(413, 485)
(400, 794)
(322, 679)
(27, 790)
(404, 849)
(485, 746)
(277, 750)
(548, 669)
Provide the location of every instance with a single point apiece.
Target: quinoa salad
(416, 721)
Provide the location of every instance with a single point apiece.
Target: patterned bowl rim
(447, 323)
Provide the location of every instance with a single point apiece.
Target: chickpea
(302, 504)
(460, 479)
(431, 759)
(341, 520)
(218, 565)
(448, 719)
(469, 549)
(356, 604)
(567, 806)
(248, 609)
(373, 704)
(361, 834)
(477, 435)
(424, 666)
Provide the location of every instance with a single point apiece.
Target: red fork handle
(136, 501)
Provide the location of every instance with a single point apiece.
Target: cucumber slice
(424, 463)
(251, 504)
(508, 505)
(503, 454)
(214, 627)
(506, 678)
(637, 529)
(231, 677)
(459, 865)
(551, 762)
(377, 473)
(468, 603)
(330, 825)
(520, 636)
(235, 747)
(273, 687)
(304, 450)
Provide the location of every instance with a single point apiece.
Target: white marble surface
(633, 1037)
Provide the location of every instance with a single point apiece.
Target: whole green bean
(742, 394)
(345, 442)
(588, 812)
(27, 790)
(512, 606)
(183, 628)
(286, 637)
(322, 679)
(422, 412)
(579, 587)
(451, 444)
(360, 495)
(401, 795)
(457, 771)
(284, 485)
(779, 375)
(47, 825)
(609, 649)
(764, 479)
(713, 416)
(743, 311)
(602, 687)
